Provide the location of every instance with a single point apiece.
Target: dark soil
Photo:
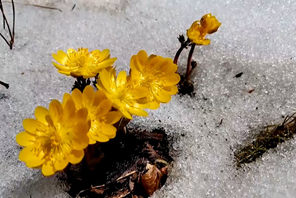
(115, 169)
(186, 87)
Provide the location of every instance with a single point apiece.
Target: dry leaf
(151, 179)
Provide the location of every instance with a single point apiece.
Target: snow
(256, 38)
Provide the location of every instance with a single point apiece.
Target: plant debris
(267, 139)
(11, 33)
(239, 75)
(134, 164)
(4, 84)
(251, 90)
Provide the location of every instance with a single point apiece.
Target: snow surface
(256, 37)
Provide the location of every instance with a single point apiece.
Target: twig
(73, 7)
(5, 21)
(126, 175)
(45, 7)
(37, 5)
(85, 190)
(104, 185)
(4, 84)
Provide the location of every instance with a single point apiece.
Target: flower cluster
(56, 137)
(208, 24)
(59, 135)
(152, 80)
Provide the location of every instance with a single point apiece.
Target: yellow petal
(55, 110)
(32, 126)
(139, 92)
(91, 140)
(105, 79)
(105, 64)
(102, 138)
(60, 57)
(104, 55)
(125, 113)
(138, 112)
(88, 94)
(153, 105)
(63, 69)
(60, 164)
(121, 79)
(76, 156)
(162, 96)
(82, 114)
(41, 113)
(80, 139)
(109, 130)
(103, 108)
(25, 139)
(171, 80)
(142, 58)
(28, 156)
(48, 168)
(69, 109)
(112, 117)
(77, 98)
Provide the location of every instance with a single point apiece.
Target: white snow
(256, 37)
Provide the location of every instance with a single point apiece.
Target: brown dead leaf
(151, 179)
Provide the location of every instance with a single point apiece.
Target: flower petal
(109, 130)
(41, 113)
(25, 139)
(32, 126)
(48, 168)
(28, 156)
(55, 110)
(77, 98)
(60, 163)
(121, 79)
(76, 156)
(112, 117)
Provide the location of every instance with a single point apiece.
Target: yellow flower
(99, 112)
(123, 97)
(56, 137)
(82, 62)
(157, 74)
(199, 29)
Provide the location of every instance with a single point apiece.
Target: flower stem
(178, 54)
(189, 60)
(184, 44)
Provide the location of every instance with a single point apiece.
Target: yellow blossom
(199, 29)
(56, 137)
(82, 62)
(119, 91)
(99, 112)
(157, 74)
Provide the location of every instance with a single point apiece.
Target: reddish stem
(189, 67)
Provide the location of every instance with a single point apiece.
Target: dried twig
(269, 138)
(4, 84)
(44, 7)
(11, 32)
